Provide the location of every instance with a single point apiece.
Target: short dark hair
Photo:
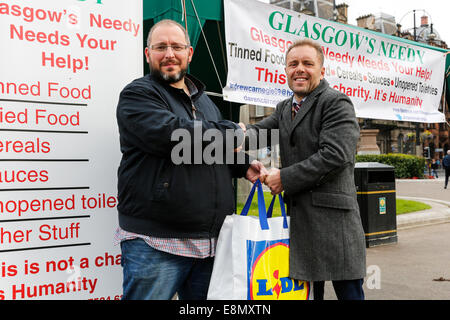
(307, 42)
(167, 22)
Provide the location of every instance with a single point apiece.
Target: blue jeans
(150, 274)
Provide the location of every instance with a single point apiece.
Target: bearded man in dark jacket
(171, 211)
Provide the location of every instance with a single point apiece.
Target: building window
(305, 6)
(259, 111)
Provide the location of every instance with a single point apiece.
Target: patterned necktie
(295, 107)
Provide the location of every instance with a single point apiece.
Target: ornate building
(393, 136)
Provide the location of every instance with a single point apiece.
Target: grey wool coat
(317, 150)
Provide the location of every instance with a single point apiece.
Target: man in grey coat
(318, 134)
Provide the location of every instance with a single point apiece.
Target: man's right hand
(242, 125)
(256, 171)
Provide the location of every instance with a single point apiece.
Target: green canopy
(173, 9)
(210, 14)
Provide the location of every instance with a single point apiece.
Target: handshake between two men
(270, 178)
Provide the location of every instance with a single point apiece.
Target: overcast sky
(438, 10)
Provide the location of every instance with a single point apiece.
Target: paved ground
(406, 270)
(428, 188)
(430, 191)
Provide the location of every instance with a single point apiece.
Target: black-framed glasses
(175, 47)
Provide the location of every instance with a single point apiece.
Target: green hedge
(406, 166)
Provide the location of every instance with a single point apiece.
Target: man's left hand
(273, 181)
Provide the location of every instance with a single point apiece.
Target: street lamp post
(335, 12)
(431, 37)
(417, 123)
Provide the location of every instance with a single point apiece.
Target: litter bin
(375, 188)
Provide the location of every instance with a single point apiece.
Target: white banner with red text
(63, 64)
(384, 77)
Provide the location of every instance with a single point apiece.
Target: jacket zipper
(193, 110)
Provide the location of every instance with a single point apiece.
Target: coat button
(166, 184)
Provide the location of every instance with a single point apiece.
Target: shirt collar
(193, 90)
(294, 100)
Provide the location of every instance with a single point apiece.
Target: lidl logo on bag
(268, 272)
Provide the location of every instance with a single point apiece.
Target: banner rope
(221, 47)
(184, 15)
(206, 42)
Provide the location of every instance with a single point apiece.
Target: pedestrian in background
(446, 165)
(434, 167)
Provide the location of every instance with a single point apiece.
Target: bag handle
(261, 205)
(283, 209)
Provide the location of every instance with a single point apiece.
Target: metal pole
(334, 11)
(417, 123)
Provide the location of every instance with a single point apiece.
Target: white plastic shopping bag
(252, 257)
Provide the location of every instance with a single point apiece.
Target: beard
(169, 78)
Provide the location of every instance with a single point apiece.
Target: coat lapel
(307, 105)
(287, 112)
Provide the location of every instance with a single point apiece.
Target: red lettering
(13, 176)
(29, 35)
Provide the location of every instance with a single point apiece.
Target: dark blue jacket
(157, 197)
(446, 161)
